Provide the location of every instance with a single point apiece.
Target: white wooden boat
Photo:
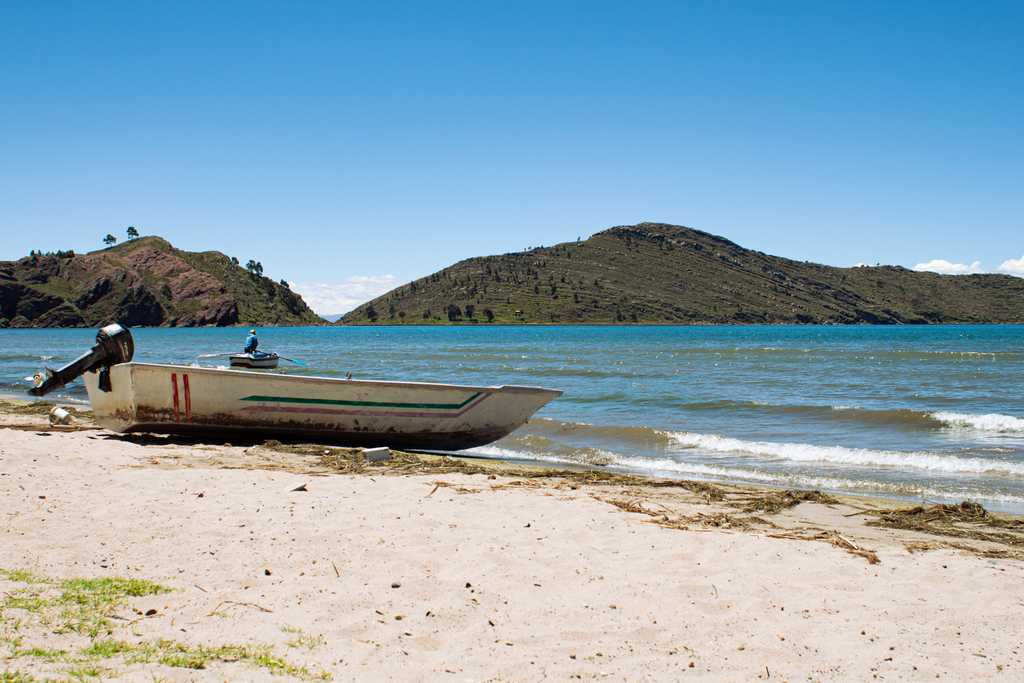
(254, 360)
(220, 403)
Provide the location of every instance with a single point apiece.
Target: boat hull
(256, 360)
(242, 405)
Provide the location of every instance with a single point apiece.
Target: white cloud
(326, 298)
(945, 267)
(1013, 266)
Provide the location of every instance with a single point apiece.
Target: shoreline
(31, 414)
(872, 498)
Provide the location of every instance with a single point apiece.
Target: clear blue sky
(338, 143)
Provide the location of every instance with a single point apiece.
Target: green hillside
(657, 273)
(145, 281)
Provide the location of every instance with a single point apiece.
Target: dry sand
(424, 572)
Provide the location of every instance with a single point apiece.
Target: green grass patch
(80, 605)
(26, 600)
(46, 654)
(112, 589)
(88, 673)
(84, 606)
(23, 575)
(107, 648)
(10, 636)
(182, 656)
(306, 641)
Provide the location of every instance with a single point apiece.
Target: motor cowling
(117, 342)
(114, 345)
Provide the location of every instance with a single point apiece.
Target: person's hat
(252, 331)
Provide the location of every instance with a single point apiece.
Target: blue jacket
(251, 343)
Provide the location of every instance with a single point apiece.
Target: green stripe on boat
(370, 404)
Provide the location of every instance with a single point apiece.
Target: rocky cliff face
(142, 282)
(653, 272)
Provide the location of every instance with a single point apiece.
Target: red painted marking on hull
(188, 398)
(362, 413)
(174, 386)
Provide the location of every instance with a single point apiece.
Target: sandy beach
(264, 561)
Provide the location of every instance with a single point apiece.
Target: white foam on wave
(909, 489)
(841, 455)
(591, 456)
(991, 422)
(634, 463)
(512, 454)
(655, 466)
(693, 468)
(496, 452)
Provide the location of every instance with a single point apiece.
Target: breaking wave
(842, 455)
(898, 417)
(992, 422)
(575, 443)
(674, 468)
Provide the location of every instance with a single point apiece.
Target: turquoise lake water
(918, 412)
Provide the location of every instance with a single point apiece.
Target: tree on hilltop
(109, 240)
(254, 267)
(132, 232)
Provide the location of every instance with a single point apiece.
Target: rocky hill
(145, 281)
(659, 273)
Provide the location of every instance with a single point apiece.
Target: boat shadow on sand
(342, 457)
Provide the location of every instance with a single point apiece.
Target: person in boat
(251, 342)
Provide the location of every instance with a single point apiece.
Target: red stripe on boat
(174, 386)
(188, 398)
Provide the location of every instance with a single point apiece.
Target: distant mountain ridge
(145, 281)
(659, 273)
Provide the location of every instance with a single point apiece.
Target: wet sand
(425, 568)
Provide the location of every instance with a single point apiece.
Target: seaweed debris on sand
(968, 520)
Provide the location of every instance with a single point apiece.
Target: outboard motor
(114, 344)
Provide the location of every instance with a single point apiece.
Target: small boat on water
(210, 402)
(256, 359)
